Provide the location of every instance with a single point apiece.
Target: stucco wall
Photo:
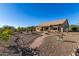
(61, 27)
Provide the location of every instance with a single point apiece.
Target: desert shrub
(8, 27)
(73, 28)
(6, 32)
(31, 28)
(20, 29)
(4, 37)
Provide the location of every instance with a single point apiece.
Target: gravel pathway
(38, 41)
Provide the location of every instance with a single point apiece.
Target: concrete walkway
(38, 41)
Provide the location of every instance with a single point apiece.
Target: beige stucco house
(54, 26)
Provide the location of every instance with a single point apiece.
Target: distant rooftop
(56, 22)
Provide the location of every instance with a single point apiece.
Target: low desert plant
(30, 29)
(6, 32)
(20, 29)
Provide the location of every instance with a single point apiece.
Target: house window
(46, 28)
(54, 28)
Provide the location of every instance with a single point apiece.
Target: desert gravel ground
(48, 44)
(24, 40)
(53, 47)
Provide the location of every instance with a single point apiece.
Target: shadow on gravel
(25, 51)
(70, 41)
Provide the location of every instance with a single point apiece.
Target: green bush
(4, 37)
(31, 28)
(20, 29)
(6, 32)
(71, 27)
(8, 27)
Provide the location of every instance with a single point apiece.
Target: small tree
(31, 29)
(21, 29)
(8, 27)
(74, 28)
(6, 32)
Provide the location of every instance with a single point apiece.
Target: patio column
(49, 28)
(62, 29)
(43, 29)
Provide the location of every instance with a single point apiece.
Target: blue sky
(30, 14)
